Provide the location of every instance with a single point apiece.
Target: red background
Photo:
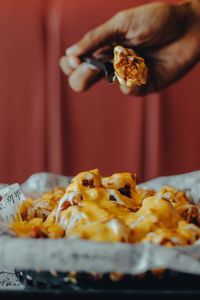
(45, 126)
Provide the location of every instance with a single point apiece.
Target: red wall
(45, 126)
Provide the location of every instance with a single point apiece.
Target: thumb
(94, 39)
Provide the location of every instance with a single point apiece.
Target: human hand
(167, 36)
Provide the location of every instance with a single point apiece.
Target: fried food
(111, 209)
(130, 69)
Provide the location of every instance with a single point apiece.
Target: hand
(167, 36)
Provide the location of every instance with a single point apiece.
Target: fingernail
(72, 50)
(73, 61)
(63, 66)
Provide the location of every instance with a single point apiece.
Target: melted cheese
(129, 69)
(111, 209)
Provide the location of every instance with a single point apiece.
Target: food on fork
(110, 209)
(129, 69)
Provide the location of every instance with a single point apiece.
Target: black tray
(46, 281)
(44, 285)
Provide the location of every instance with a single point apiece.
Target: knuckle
(120, 16)
(142, 36)
(89, 36)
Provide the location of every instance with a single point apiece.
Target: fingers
(136, 90)
(69, 64)
(84, 76)
(94, 39)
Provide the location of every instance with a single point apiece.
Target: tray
(43, 280)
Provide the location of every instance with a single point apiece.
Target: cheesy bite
(110, 209)
(130, 69)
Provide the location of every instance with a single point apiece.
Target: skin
(167, 36)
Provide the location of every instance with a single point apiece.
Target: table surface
(10, 286)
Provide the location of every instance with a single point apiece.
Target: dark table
(182, 286)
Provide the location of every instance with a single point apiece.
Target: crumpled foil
(82, 255)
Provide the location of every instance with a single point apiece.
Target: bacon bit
(165, 242)
(125, 191)
(89, 183)
(192, 215)
(112, 198)
(37, 233)
(65, 205)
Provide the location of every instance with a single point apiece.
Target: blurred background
(45, 126)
